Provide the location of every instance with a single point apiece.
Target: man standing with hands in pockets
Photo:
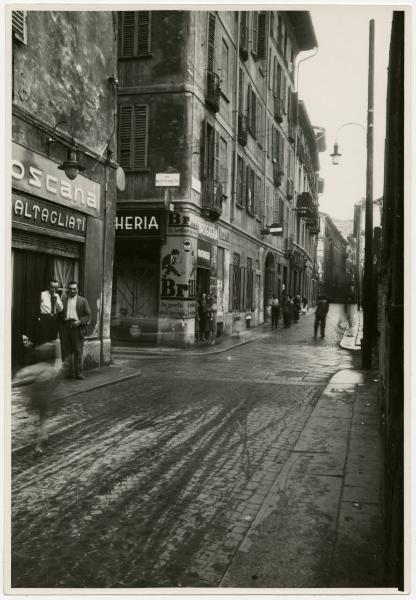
(50, 307)
(76, 315)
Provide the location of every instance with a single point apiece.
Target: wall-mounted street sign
(167, 179)
(273, 229)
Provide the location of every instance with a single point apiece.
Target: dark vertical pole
(369, 310)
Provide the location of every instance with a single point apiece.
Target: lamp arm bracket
(346, 125)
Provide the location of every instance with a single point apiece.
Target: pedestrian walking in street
(320, 315)
(287, 311)
(212, 319)
(296, 308)
(50, 307)
(75, 316)
(202, 316)
(275, 306)
(42, 378)
(304, 305)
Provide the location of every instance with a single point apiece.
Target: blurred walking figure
(320, 315)
(275, 305)
(347, 310)
(304, 305)
(42, 378)
(296, 307)
(287, 311)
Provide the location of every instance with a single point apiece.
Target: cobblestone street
(158, 480)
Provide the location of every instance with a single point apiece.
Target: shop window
(134, 33)
(133, 136)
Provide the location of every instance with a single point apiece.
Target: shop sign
(223, 235)
(138, 223)
(40, 176)
(204, 254)
(48, 216)
(207, 231)
(182, 222)
(178, 309)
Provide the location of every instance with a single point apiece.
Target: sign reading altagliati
(28, 211)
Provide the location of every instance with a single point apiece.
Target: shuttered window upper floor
(134, 33)
(133, 136)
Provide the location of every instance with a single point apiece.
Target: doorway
(269, 282)
(202, 281)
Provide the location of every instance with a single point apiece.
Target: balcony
(213, 91)
(244, 41)
(277, 174)
(212, 195)
(305, 205)
(242, 129)
(278, 111)
(289, 246)
(290, 189)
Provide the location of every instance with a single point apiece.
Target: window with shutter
(209, 153)
(19, 25)
(224, 69)
(217, 176)
(261, 39)
(133, 136)
(134, 33)
(240, 90)
(275, 72)
(254, 32)
(253, 113)
(211, 43)
(240, 192)
(249, 105)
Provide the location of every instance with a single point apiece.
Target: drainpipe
(236, 87)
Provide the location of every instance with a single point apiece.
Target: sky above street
(333, 85)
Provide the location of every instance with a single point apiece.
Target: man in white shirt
(50, 306)
(76, 315)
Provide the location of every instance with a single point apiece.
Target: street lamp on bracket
(336, 155)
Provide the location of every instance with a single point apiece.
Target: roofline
(301, 21)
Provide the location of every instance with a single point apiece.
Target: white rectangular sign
(167, 179)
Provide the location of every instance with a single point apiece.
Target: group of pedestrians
(206, 318)
(292, 307)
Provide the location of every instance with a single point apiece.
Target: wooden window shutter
(241, 90)
(125, 136)
(254, 32)
(243, 198)
(217, 157)
(140, 137)
(276, 211)
(127, 26)
(282, 152)
(261, 41)
(275, 77)
(19, 25)
(253, 111)
(143, 32)
(211, 43)
(249, 104)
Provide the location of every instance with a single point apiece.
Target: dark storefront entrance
(135, 291)
(34, 263)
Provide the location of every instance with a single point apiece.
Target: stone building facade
(63, 106)
(334, 268)
(216, 148)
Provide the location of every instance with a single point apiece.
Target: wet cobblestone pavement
(156, 481)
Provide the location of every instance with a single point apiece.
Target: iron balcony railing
(213, 91)
(212, 196)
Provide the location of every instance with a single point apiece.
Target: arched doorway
(269, 282)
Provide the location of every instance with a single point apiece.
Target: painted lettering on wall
(45, 215)
(39, 176)
(130, 222)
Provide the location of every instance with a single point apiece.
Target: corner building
(63, 101)
(216, 148)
